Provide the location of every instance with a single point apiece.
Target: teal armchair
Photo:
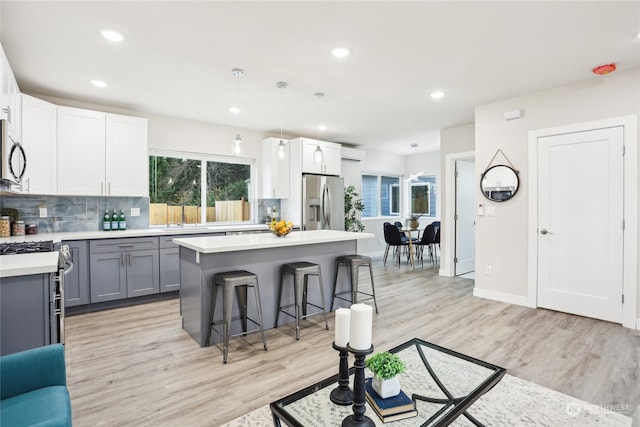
(33, 388)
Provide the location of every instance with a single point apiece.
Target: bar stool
(301, 272)
(240, 281)
(353, 263)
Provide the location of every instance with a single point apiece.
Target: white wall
(501, 241)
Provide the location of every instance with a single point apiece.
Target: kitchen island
(262, 254)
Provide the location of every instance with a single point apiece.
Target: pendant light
(281, 145)
(237, 142)
(318, 155)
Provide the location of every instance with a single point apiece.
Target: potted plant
(385, 367)
(413, 220)
(352, 206)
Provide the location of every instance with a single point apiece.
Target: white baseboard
(374, 254)
(500, 296)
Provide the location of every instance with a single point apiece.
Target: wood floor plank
(135, 366)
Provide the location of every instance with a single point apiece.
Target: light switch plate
(43, 212)
(135, 211)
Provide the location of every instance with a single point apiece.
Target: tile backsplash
(75, 213)
(84, 213)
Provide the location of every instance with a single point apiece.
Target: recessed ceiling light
(111, 35)
(437, 94)
(322, 127)
(414, 145)
(638, 35)
(340, 52)
(234, 110)
(99, 83)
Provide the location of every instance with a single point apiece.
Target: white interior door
(580, 223)
(465, 217)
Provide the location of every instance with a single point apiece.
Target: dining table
(409, 233)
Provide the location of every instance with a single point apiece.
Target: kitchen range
(32, 294)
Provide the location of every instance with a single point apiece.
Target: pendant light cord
(318, 96)
(281, 109)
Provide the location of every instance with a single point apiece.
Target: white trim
(500, 296)
(374, 254)
(638, 323)
(630, 257)
(446, 265)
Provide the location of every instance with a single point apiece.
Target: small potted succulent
(385, 367)
(413, 220)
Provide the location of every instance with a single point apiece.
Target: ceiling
(178, 56)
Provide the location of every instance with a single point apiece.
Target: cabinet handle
(122, 259)
(28, 185)
(129, 253)
(8, 111)
(109, 189)
(102, 188)
(130, 245)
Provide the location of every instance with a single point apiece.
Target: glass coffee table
(442, 382)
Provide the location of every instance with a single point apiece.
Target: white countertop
(160, 231)
(25, 264)
(216, 244)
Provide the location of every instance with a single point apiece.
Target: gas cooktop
(15, 248)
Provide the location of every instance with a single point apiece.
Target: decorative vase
(414, 223)
(386, 388)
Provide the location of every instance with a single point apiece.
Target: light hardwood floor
(135, 366)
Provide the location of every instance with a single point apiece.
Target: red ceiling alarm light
(604, 69)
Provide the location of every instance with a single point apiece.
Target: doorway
(448, 229)
(579, 239)
(464, 259)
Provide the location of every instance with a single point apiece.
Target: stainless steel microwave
(13, 160)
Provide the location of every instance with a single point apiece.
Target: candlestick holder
(342, 395)
(358, 419)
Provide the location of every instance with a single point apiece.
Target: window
(395, 199)
(422, 196)
(193, 189)
(380, 195)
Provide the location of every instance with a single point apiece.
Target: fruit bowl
(280, 228)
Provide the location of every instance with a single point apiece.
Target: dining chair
(428, 239)
(393, 237)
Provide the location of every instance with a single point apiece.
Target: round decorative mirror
(499, 183)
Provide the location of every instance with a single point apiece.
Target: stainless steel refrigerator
(322, 202)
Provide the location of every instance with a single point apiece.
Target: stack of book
(392, 408)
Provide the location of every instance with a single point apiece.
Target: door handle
(545, 231)
(328, 207)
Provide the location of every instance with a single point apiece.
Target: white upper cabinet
(81, 152)
(101, 154)
(10, 99)
(275, 169)
(331, 164)
(127, 156)
(39, 139)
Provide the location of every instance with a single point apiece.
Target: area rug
(511, 403)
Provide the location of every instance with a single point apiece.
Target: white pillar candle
(360, 326)
(342, 326)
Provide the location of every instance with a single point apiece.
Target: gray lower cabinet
(77, 289)
(169, 269)
(170, 261)
(25, 312)
(124, 268)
